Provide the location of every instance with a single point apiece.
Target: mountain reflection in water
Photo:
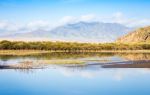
(88, 60)
(93, 74)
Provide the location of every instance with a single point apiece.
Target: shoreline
(29, 52)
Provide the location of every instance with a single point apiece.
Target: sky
(42, 13)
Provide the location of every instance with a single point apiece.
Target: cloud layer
(118, 17)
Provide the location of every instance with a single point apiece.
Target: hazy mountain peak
(80, 31)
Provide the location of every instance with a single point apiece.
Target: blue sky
(26, 10)
(55, 11)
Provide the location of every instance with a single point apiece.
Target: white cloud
(117, 17)
(3, 24)
(9, 26)
(88, 17)
(73, 19)
(67, 19)
(39, 24)
(139, 23)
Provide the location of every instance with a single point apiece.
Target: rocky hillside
(139, 35)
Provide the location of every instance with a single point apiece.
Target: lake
(92, 74)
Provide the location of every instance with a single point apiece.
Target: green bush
(70, 46)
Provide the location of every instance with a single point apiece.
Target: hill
(80, 32)
(139, 35)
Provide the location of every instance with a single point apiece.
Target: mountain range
(80, 32)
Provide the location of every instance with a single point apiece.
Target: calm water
(75, 80)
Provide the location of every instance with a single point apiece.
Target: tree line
(70, 46)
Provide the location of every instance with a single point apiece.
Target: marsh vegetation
(71, 46)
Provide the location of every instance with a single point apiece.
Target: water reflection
(136, 56)
(76, 60)
(74, 81)
(128, 56)
(117, 74)
(89, 78)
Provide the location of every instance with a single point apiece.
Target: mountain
(81, 31)
(139, 35)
